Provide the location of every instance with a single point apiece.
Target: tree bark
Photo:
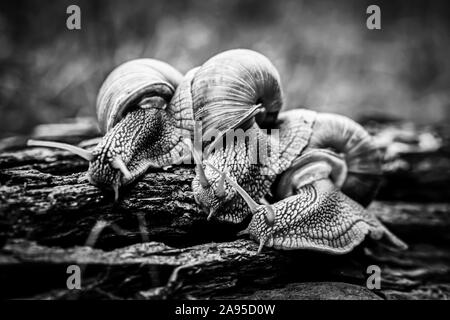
(155, 243)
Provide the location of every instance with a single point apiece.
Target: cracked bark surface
(157, 243)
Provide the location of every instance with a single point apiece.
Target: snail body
(314, 183)
(242, 82)
(318, 217)
(254, 163)
(239, 90)
(313, 172)
(142, 127)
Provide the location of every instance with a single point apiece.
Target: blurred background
(327, 58)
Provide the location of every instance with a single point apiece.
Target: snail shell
(228, 88)
(129, 83)
(361, 154)
(354, 144)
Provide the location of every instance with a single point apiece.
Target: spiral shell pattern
(227, 87)
(131, 82)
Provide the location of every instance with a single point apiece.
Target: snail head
(214, 197)
(266, 209)
(235, 93)
(124, 153)
(231, 152)
(264, 215)
(209, 187)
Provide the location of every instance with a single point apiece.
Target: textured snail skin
(224, 92)
(319, 218)
(256, 178)
(145, 122)
(301, 131)
(143, 138)
(241, 89)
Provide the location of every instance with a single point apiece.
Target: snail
(318, 217)
(143, 125)
(241, 90)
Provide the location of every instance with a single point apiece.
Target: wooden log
(157, 243)
(229, 270)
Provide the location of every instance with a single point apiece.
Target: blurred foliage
(327, 58)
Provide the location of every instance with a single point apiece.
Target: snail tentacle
(197, 154)
(115, 187)
(118, 163)
(250, 202)
(85, 154)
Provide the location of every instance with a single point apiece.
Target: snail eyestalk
(244, 232)
(211, 214)
(115, 187)
(197, 154)
(262, 242)
(270, 215)
(250, 202)
(221, 186)
(118, 164)
(255, 110)
(95, 233)
(153, 102)
(64, 146)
